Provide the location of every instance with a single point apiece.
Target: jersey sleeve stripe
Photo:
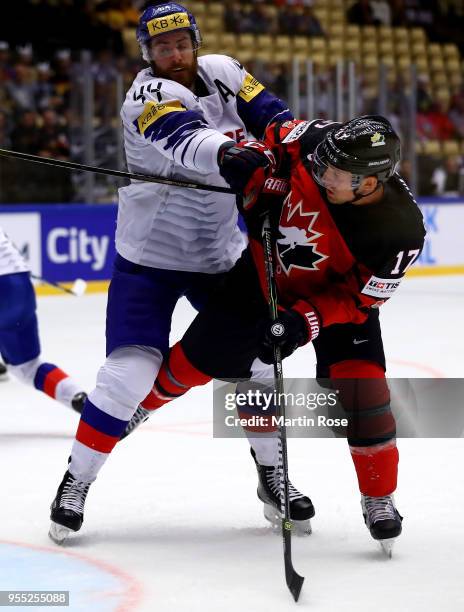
(182, 159)
(172, 126)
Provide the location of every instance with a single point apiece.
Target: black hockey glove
(245, 165)
(290, 330)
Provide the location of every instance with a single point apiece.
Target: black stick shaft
(294, 580)
(60, 163)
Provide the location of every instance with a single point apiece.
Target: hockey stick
(60, 163)
(294, 580)
(78, 287)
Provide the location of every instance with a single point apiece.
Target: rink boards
(63, 242)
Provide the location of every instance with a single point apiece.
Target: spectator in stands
(62, 70)
(105, 75)
(6, 70)
(52, 137)
(308, 24)
(258, 20)
(382, 12)
(21, 89)
(361, 12)
(420, 13)
(45, 90)
(423, 94)
(433, 123)
(25, 136)
(456, 114)
(25, 58)
(233, 17)
(448, 178)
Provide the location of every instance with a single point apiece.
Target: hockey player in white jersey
(183, 117)
(19, 333)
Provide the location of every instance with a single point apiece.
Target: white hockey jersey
(11, 260)
(172, 132)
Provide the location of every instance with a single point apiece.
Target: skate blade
(299, 528)
(58, 533)
(387, 547)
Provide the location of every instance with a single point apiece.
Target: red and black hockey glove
(290, 330)
(260, 201)
(246, 165)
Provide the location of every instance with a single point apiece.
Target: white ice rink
(173, 523)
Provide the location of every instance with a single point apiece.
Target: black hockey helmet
(365, 146)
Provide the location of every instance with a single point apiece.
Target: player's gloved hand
(261, 200)
(245, 165)
(290, 330)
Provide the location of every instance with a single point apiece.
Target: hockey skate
(67, 509)
(383, 520)
(3, 371)
(139, 417)
(301, 507)
(78, 401)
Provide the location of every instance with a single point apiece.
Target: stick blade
(294, 582)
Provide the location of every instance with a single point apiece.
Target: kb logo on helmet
(170, 22)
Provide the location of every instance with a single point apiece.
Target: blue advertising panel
(62, 242)
(78, 242)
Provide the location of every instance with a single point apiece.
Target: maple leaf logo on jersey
(297, 244)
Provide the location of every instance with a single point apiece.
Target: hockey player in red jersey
(345, 235)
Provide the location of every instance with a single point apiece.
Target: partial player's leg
(263, 436)
(20, 345)
(122, 383)
(352, 357)
(199, 290)
(140, 306)
(222, 343)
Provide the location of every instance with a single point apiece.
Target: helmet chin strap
(359, 196)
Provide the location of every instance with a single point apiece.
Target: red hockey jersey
(339, 260)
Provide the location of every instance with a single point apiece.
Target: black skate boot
(67, 509)
(3, 371)
(301, 507)
(78, 401)
(382, 519)
(139, 417)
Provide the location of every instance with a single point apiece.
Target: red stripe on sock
(167, 384)
(153, 401)
(183, 371)
(89, 436)
(51, 381)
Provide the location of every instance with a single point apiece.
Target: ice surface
(173, 523)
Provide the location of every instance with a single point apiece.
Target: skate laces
(139, 417)
(273, 480)
(380, 508)
(74, 494)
